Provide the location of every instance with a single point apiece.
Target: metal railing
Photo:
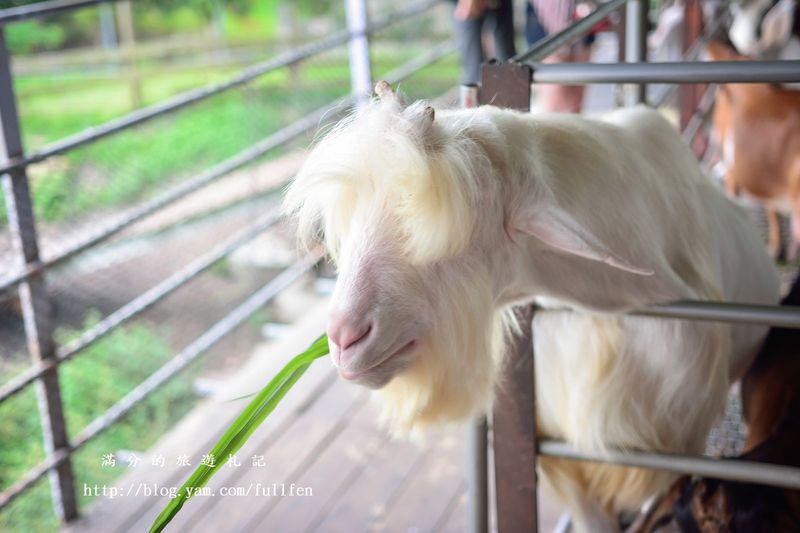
(513, 412)
(37, 313)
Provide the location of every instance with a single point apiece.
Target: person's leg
(468, 34)
(564, 98)
(504, 47)
(534, 31)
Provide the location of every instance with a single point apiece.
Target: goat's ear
(776, 27)
(557, 229)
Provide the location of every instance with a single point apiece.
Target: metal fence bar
(700, 116)
(174, 194)
(161, 376)
(477, 475)
(732, 469)
(673, 72)
(175, 103)
(568, 35)
(141, 303)
(768, 315)
(280, 137)
(636, 46)
(358, 51)
(14, 14)
(37, 309)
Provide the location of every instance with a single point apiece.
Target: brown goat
(758, 129)
(771, 405)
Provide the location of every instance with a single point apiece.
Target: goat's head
(415, 214)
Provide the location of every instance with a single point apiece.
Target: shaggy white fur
(439, 224)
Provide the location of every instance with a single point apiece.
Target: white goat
(440, 222)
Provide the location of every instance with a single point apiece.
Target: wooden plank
(337, 469)
(197, 432)
(455, 517)
(365, 500)
(431, 488)
(286, 455)
(513, 426)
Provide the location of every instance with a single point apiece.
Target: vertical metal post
(36, 306)
(478, 430)
(478, 475)
(514, 429)
(636, 46)
(514, 414)
(360, 68)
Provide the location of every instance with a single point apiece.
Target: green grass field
(132, 165)
(90, 384)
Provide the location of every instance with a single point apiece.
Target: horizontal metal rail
(568, 35)
(678, 72)
(161, 376)
(38, 9)
(784, 316)
(731, 469)
(175, 103)
(174, 194)
(140, 304)
(186, 274)
(280, 137)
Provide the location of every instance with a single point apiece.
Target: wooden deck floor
(324, 438)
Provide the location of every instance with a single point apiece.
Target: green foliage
(245, 424)
(90, 384)
(30, 36)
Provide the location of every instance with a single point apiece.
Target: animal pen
(513, 420)
(508, 85)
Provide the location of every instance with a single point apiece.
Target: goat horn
(384, 90)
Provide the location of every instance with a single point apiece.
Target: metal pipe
(174, 194)
(161, 376)
(768, 315)
(175, 103)
(477, 475)
(358, 51)
(694, 72)
(37, 308)
(280, 137)
(568, 35)
(636, 46)
(732, 469)
(38, 9)
(700, 116)
(140, 304)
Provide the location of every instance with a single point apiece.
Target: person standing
(471, 16)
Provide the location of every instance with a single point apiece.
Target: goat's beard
(456, 369)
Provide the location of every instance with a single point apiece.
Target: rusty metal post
(514, 427)
(478, 429)
(514, 416)
(36, 306)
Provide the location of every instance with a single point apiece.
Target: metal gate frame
(514, 440)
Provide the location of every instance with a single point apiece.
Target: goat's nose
(344, 333)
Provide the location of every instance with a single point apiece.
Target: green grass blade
(244, 426)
